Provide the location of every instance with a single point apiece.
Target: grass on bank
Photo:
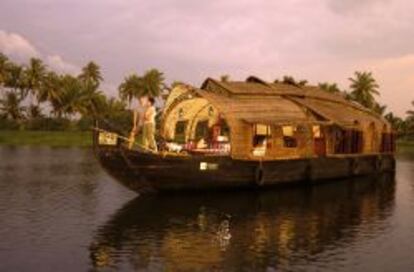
(405, 146)
(45, 138)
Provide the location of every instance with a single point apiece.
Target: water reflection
(286, 229)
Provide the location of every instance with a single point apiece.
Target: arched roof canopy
(255, 100)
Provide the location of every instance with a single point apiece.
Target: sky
(190, 40)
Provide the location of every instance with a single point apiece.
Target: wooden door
(319, 146)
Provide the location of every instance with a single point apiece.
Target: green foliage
(91, 76)
(134, 86)
(130, 88)
(33, 77)
(364, 88)
(49, 138)
(8, 124)
(10, 106)
(225, 78)
(49, 124)
(329, 87)
(292, 81)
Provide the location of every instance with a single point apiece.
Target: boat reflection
(231, 231)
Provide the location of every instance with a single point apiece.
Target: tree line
(32, 96)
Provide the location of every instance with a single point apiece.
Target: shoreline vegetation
(46, 138)
(39, 106)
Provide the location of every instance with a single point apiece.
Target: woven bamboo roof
(255, 100)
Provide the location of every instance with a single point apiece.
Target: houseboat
(251, 134)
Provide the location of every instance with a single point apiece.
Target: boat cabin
(257, 120)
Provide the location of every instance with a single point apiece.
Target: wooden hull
(143, 172)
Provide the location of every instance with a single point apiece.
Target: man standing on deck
(147, 121)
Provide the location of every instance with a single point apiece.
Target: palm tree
(75, 98)
(411, 112)
(329, 87)
(380, 109)
(395, 121)
(364, 88)
(10, 106)
(409, 121)
(225, 78)
(153, 82)
(34, 111)
(35, 73)
(292, 81)
(130, 88)
(91, 75)
(71, 89)
(51, 91)
(15, 80)
(4, 66)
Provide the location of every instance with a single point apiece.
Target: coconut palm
(292, 81)
(10, 106)
(153, 82)
(75, 98)
(90, 103)
(15, 80)
(4, 65)
(411, 112)
(329, 87)
(380, 109)
(395, 121)
(34, 75)
(91, 75)
(364, 88)
(130, 88)
(50, 89)
(225, 78)
(34, 111)
(71, 89)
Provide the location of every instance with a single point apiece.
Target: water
(60, 212)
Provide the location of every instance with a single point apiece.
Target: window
(261, 137)
(316, 130)
(289, 139)
(319, 143)
(348, 141)
(387, 142)
(180, 131)
(202, 130)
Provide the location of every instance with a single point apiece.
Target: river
(60, 212)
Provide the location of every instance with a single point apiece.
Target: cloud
(320, 40)
(15, 45)
(347, 7)
(57, 63)
(21, 49)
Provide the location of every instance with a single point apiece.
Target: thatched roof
(255, 100)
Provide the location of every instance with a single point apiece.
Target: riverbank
(46, 138)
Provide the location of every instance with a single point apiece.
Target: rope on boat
(125, 139)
